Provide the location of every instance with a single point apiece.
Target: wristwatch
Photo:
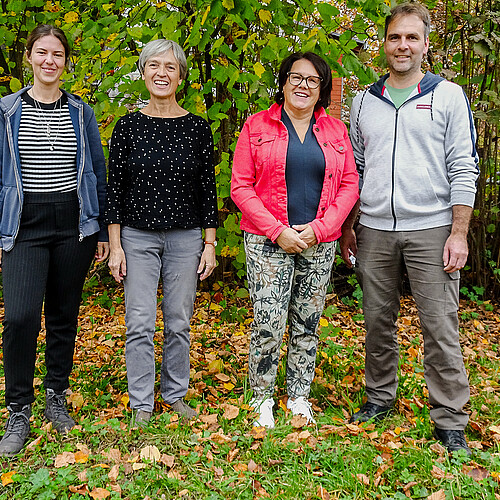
(213, 243)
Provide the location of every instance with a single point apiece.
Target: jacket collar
(428, 83)
(275, 112)
(9, 101)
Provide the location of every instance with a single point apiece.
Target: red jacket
(258, 185)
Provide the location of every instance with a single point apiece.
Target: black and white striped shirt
(47, 146)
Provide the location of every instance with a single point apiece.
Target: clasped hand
(297, 238)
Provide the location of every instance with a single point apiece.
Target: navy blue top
(305, 173)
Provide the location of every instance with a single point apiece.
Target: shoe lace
(368, 408)
(457, 438)
(17, 422)
(58, 403)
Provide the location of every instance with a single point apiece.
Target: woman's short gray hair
(157, 47)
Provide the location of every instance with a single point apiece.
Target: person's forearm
(114, 235)
(461, 219)
(210, 234)
(351, 218)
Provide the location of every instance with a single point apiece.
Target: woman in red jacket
(295, 181)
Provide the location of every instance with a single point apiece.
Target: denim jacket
(90, 162)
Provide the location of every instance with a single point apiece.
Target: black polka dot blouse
(161, 173)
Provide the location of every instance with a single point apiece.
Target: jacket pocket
(339, 149)
(88, 195)
(262, 145)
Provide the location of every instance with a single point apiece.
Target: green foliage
(234, 48)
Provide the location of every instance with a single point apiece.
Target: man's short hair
(407, 9)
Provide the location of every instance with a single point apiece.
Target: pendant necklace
(48, 128)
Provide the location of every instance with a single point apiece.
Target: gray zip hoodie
(417, 161)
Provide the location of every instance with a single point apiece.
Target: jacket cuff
(463, 198)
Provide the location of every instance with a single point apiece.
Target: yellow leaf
(124, 400)
(76, 400)
(228, 386)
(228, 4)
(81, 457)
(215, 366)
(205, 14)
(265, 15)
(7, 478)
(323, 322)
(71, 17)
(259, 69)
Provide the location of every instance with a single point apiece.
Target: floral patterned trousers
(285, 286)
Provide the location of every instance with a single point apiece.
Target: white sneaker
(301, 406)
(264, 407)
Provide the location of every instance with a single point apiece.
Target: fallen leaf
(232, 454)
(113, 473)
(7, 477)
(150, 453)
(439, 473)
(81, 457)
(258, 432)
(362, 478)
(173, 474)
(215, 366)
(35, 442)
(167, 460)
(76, 400)
(64, 459)
(115, 487)
(478, 473)
(138, 466)
(230, 411)
(222, 377)
(252, 466)
(240, 467)
(209, 419)
(322, 493)
(298, 421)
(99, 493)
(495, 429)
(438, 448)
(81, 489)
(438, 495)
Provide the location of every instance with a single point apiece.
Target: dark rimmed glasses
(312, 82)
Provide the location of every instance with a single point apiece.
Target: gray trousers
(175, 254)
(381, 260)
(285, 287)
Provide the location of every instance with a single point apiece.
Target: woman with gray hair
(161, 194)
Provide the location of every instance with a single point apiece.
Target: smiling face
(161, 75)
(300, 98)
(47, 58)
(405, 46)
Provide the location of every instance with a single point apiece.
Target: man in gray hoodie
(414, 142)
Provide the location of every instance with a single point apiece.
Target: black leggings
(47, 262)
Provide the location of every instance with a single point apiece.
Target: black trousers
(47, 262)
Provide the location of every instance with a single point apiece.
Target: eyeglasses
(312, 82)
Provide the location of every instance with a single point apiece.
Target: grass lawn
(221, 456)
